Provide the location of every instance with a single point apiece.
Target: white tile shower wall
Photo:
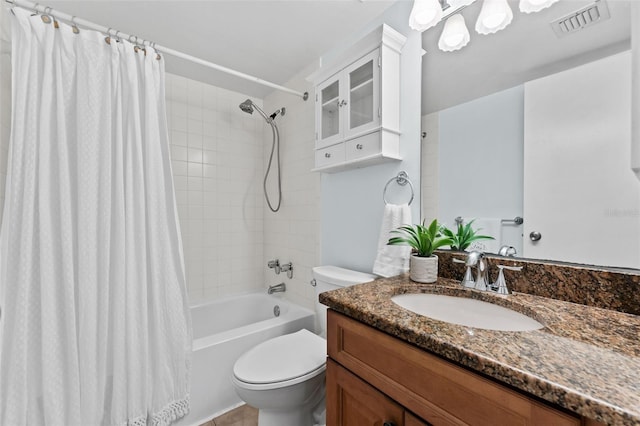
(293, 233)
(429, 167)
(5, 99)
(217, 155)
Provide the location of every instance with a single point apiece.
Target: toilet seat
(282, 361)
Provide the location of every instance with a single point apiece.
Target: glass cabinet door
(329, 112)
(363, 93)
(347, 104)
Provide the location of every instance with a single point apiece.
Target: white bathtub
(222, 331)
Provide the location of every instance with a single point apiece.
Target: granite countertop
(585, 359)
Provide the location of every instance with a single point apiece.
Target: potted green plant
(464, 236)
(423, 240)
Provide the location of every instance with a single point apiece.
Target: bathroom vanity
(390, 366)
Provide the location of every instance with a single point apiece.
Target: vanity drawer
(438, 391)
(363, 146)
(329, 156)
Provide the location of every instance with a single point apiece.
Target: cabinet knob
(388, 424)
(327, 155)
(359, 146)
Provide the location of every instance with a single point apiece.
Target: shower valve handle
(275, 265)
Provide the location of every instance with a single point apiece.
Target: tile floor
(241, 416)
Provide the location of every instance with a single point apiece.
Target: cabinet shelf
(334, 100)
(358, 114)
(361, 85)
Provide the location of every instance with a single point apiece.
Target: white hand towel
(487, 226)
(392, 260)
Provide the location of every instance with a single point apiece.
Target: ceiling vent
(581, 19)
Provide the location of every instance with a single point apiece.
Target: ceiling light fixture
(494, 16)
(530, 6)
(425, 14)
(455, 34)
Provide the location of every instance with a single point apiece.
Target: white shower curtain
(94, 328)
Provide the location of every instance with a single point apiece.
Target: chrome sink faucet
(482, 277)
(475, 259)
(478, 260)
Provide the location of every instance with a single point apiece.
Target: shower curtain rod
(37, 7)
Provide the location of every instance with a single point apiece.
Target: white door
(580, 194)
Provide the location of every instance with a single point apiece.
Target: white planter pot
(423, 269)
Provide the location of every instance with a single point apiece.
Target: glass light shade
(455, 4)
(530, 6)
(425, 14)
(455, 35)
(494, 16)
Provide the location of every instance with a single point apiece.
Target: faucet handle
(468, 280)
(500, 286)
(275, 265)
(510, 268)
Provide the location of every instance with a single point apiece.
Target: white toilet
(284, 377)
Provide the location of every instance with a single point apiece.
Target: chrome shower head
(247, 106)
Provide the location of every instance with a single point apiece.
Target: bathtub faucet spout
(278, 288)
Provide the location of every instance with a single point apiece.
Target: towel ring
(402, 179)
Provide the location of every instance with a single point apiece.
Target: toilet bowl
(284, 377)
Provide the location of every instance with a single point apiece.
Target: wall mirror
(526, 123)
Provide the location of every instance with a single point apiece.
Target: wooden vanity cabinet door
(353, 402)
(411, 420)
(439, 391)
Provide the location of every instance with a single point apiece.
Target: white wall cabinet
(358, 105)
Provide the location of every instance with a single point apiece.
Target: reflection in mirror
(525, 123)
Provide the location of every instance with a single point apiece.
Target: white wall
(5, 98)
(216, 153)
(429, 166)
(292, 234)
(480, 152)
(352, 206)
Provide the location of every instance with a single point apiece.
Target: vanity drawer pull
(359, 146)
(327, 155)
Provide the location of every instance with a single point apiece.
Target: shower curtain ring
(45, 15)
(74, 27)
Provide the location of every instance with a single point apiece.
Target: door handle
(535, 236)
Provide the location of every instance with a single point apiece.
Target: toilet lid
(282, 358)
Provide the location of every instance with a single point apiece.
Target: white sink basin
(465, 311)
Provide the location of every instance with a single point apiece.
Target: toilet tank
(328, 278)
